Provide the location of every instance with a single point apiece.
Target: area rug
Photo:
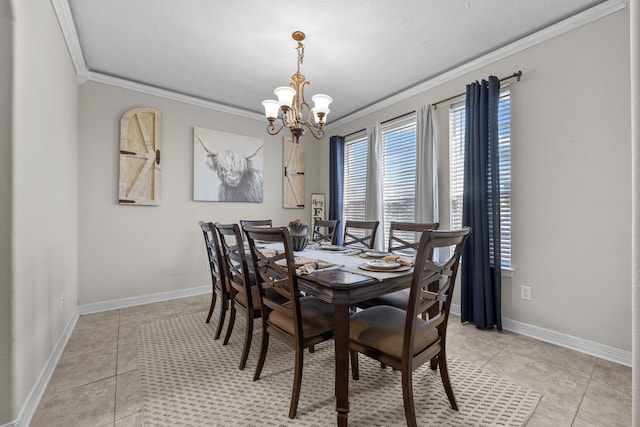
(189, 379)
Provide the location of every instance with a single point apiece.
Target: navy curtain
(336, 181)
(481, 271)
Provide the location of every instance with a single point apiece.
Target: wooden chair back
(234, 259)
(276, 270)
(404, 237)
(324, 230)
(218, 279)
(360, 233)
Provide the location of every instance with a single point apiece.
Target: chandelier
(291, 106)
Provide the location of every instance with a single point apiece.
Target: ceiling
(233, 54)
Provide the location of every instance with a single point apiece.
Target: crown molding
(569, 24)
(167, 94)
(70, 34)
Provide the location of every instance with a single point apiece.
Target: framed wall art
(227, 167)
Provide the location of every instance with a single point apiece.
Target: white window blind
(399, 171)
(456, 156)
(355, 177)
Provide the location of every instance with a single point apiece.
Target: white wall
(44, 205)
(6, 321)
(571, 179)
(130, 250)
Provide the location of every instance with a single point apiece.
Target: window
(399, 173)
(456, 158)
(355, 177)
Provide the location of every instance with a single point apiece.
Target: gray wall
(44, 203)
(6, 320)
(571, 179)
(127, 250)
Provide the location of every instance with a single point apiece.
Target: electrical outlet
(61, 299)
(525, 292)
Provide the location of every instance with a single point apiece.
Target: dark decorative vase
(299, 236)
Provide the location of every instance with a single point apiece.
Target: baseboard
(143, 299)
(578, 344)
(33, 399)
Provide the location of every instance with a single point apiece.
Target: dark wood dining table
(342, 289)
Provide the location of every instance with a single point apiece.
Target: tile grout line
(115, 391)
(586, 387)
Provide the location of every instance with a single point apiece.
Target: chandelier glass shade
(291, 107)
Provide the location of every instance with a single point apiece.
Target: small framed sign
(318, 207)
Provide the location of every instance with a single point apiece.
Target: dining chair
(301, 321)
(404, 238)
(218, 280)
(403, 339)
(324, 230)
(360, 233)
(242, 284)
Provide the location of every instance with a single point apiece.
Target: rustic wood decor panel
(318, 208)
(140, 157)
(293, 180)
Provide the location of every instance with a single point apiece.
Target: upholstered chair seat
(382, 328)
(317, 317)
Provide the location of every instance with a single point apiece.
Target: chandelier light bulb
(285, 95)
(321, 103)
(271, 108)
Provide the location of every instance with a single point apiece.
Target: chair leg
(434, 362)
(213, 304)
(407, 397)
(312, 349)
(224, 303)
(263, 352)
(444, 374)
(297, 383)
(248, 334)
(355, 365)
(232, 321)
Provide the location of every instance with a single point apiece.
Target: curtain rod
(517, 75)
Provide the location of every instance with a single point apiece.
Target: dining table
(344, 278)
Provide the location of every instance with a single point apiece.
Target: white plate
(366, 266)
(383, 265)
(374, 254)
(333, 248)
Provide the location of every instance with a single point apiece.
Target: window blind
(399, 171)
(355, 177)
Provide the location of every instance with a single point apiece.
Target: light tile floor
(96, 381)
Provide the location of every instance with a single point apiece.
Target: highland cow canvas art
(227, 167)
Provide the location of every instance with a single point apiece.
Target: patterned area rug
(188, 379)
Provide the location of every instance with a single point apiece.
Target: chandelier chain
(300, 50)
